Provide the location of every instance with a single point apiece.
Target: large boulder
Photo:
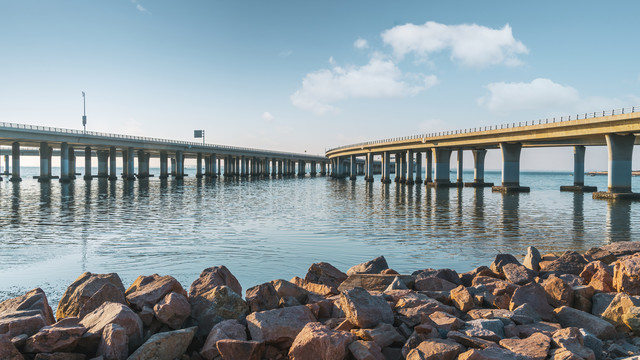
(374, 282)
(365, 310)
(227, 329)
(558, 292)
(572, 340)
(60, 337)
(462, 298)
(25, 314)
(618, 307)
(288, 291)
(375, 266)
(85, 287)
(436, 349)
(149, 290)
(114, 344)
(262, 297)
(532, 259)
(383, 335)
(173, 310)
(570, 317)
(535, 346)
(279, 326)
(366, 350)
(535, 295)
(317, 341)
(218, 304)
(502, 260)
(212, 277)
(325, 274)
(626, 275)
(107, 293)
(7, 350)
(230, 349)
(570, 262)
(114, 313)
(165, 345)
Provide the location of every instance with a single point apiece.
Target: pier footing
(478, 184)
(435, 184)
(511, 189)
(605, 195)
(578, 188)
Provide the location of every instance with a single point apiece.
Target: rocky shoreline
(554, 306)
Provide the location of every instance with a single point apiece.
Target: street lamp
(84, 116)
(199, 134)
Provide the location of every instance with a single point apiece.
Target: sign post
(199, 134)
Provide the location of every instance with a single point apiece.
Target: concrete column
(15, 162)
(214, 167)
(45, 175)
(226, 166)
(173, 166)
(274, 168)
(511, 168)
(243, 166)
(130, 164)
(199, 165)
(302, 168)
(72, 163)
(113, 171)
(428, 172)
(64, 163)
(280, 167)
(236, 166)
(143, 164)
(578, 172)
(478, 165)
(353, 168)
(418, 167)
(620, 153)
(50, 160)
(442, 159)
(267, 168)
(179, 164)
(6, 165)
(386, 167)
(459, 180)
(409, 165)
(403, 167)
(87, 163)
(164, 173)
(103, 163)
(323, 169)
(370, 167)
(219, 167)
(398, 168)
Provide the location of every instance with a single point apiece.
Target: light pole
(84, 116)
(199, 134)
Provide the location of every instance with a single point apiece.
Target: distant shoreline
(594, 173)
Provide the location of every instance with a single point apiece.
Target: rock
(149, 290)
(618, 307)
(602, 281)
(364, 310)
(535, 346)
(325, 274)
(433, 283)
(25, 314)
(374, 282)
(570, 279)
(601, 302)
(279, 326)
(114, 313)
(285, 289)
(469, 341)
(445, 322)
(502, 260)
(375, 266)
(218, 304)
(60, 356)
(525, 314)
(593, 343)
(262, 297)
(626, 275)
(227, 329)
(383, 335)
(444, 274)
(495, 286)
(570, 262)
(582, 297)
(462, 299)
(173, 310)
(569, 317)
(571, 339)
(532, 259)
(320, 289)
(316, 341)
(517, 274)
(106, 293)
(212, 277)
(62, 336)
(492, 353)
(7, 350)
(632, 319)
(615, 249)
(82, 289)
(591, 268)
(366, 350)
(467, 278)
(436, 349)
(146, 315)
(558, 292)
(165, 346)
(415, 309)
(114, 344)
(396, 284)
(494, 325)
(542, 327)
(534, 295)
(230, 349)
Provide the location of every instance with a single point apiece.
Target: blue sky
(305, 76)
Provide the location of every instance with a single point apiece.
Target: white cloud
(285, 53)
(379, 78)
(140, 8)
(472, 45)
(538, 94)
(361, 43)
(267, 116)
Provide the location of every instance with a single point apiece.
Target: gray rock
(165, 346)
(364, 310)
(532, 259)
(375, 266)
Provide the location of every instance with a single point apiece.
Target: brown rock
(582, 297)
(445, 322)
(495, 286)
(535, 346)
(165, 345)
(25, 314)
(518, 274)
(62, 336)
(602, 281)
(415, 309)
(374, 282)
(546, 328)
(107, 293)
(114, 344)
(7, 350)
(230, 349)
(319, 289)
(173, 310)
(444, 274)
(285, 289)
(316, 341)
(462, 299)
(532, 259)
(218, 304)
(262, 297)
(558, 292)
(433, 283)
(389, 272)
(396, 284)
(571, 339)
(366, 350)
(149, 290)
(82, 289)
(616, 249)
(60, 356)
(502, 260)
(591, 268)
(374, 266)
(467, 278)
(626, 275)
(325, 274)
(492, 353)
(212, 277)
(563, 354)
(436, 349)
(618, 307)
(470, 341)
(114, 313)
(632, 319)
(536, 296)
(569, 317)
(570, 262)
(227, 329)
(364, 310)
(279, 326)
(383, 335)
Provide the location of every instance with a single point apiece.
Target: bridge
(615, 129)
(236, 161)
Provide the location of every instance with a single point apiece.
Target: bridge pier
(353, 168)
(274, 167)
(6, 165)
(72, 163)
(619, 170)
(143, 164)
(510, 169)
(398, 168)
(386, 168)
(459, 163)
(442, 158)
(87, 163)
(478, 169)
(578, 172)
(409, 168)
(302, 168)
(179, 164)
(428, 172)
(103, 163)
(164, 173)
(15, 162)
(243, 167)
(314, 169)
(45, 158)
(128, 168)
(199, 165)
(418, 167)
(64, 163)
(279, 173)
(113, 171)
(369, 167)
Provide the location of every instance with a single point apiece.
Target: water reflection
(578, 216)
(618, 220)
(15, 203)
(510, 215)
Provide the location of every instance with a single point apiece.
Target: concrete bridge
(67, 143)
(615, 129)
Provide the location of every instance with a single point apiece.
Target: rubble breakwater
(552, 306)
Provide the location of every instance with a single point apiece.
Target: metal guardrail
(146, 139)
(589, 115)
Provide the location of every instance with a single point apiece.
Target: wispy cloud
(361, 43)
(285, 53)
(140, 8)
(268, 117)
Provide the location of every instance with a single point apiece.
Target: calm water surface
(268, 229)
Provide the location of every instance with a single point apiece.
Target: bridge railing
(589, 115)
(159, 141)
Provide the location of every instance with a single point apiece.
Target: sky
(307, 76)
